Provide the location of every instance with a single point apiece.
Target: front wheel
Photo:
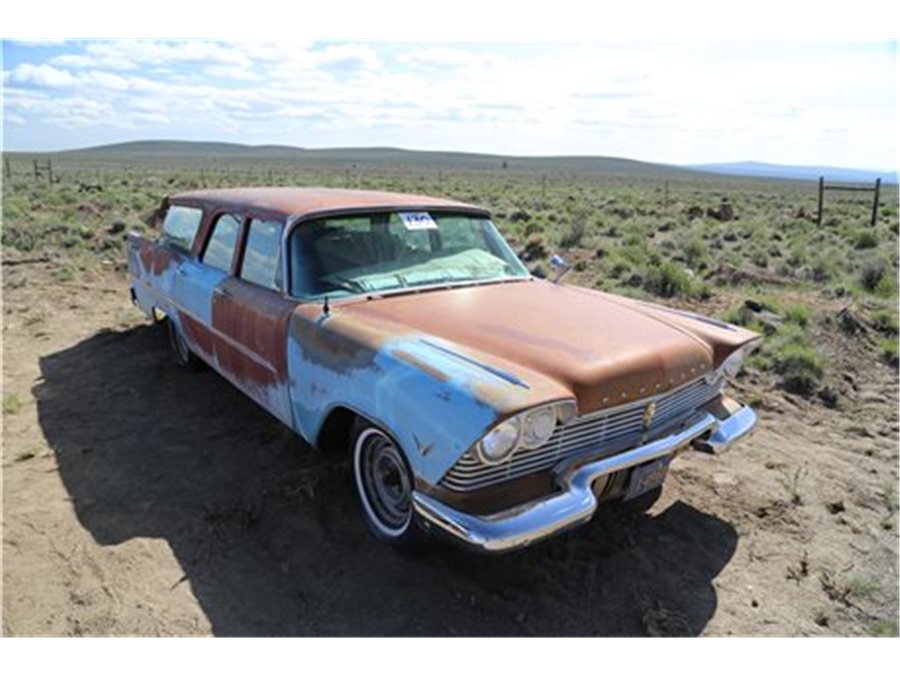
(384, 486)
(643, 503)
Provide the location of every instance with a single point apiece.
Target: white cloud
(655, 102)
(91, 60)
(42, 75)
(13, 118)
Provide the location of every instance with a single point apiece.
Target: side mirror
(560, 267)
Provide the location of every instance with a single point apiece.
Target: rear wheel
(181, 352)
(384, 485)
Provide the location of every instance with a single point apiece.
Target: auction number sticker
(419, 220)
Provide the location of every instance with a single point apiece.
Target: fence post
(875, 203)
(666, 200)
(821, 196)
(7, 168)
(49, 172)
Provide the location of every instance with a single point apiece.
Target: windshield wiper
(351, 285)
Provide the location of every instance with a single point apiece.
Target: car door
(196, 279)
(168, 263)
(250, 316)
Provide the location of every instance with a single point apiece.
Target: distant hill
(201, 153)
(831, 173)
(194, 152)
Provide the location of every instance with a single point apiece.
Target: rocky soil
(140, 499)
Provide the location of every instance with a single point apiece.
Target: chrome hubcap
(385, 481)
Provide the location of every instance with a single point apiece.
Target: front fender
(434, 400)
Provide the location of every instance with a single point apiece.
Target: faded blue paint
(183, 285)
(423, 390)
(193, 289)
(438, 415)
(502, 374)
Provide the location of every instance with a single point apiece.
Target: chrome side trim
(575, 505)
(502, 374)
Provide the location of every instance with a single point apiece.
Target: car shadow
(267, 532)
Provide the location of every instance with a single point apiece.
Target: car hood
(604, 349)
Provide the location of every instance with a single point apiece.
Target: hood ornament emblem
(649, 413)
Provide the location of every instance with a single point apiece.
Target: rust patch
(341, 342)
(197, 334)
(286, 201)
(249, 372)
(154, 258)
(421, 365)
(601, 352)
(723, 341)
(495, 498)
(256, 319)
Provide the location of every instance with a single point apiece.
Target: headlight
(530, 429)
(499, 443)
(732, 365)
(538, 426)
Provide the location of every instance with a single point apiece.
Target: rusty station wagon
(475, 400)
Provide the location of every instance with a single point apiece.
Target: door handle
(224, 292)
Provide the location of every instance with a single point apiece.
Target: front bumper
(575, 505)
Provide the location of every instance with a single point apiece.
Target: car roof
(306, 201)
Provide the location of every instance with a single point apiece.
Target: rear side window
(220, 248)
(180, 226)
(261, 260)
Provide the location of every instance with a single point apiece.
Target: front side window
(261, 260)
(220, 248)
(180, 226)
(394, 251)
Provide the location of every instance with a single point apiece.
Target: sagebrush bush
(19, 238)
(573, 235)
(872, 272)
(668, 280)
(822, 270)
(694, 251)
(865, 239)
(798, 314)
(886, 322)
(760, 259)
(800, 368)
(890, 352)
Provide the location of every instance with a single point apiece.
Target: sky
(810, 103)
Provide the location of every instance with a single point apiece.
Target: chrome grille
(606, 431)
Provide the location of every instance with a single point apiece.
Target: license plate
(647, 477)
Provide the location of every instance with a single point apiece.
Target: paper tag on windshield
(419, 220)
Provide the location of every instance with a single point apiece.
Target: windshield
(374, 253)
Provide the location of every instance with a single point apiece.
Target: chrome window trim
(297, 218)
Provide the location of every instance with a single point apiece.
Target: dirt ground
(141, 499)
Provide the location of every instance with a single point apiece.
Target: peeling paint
(436, 369)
